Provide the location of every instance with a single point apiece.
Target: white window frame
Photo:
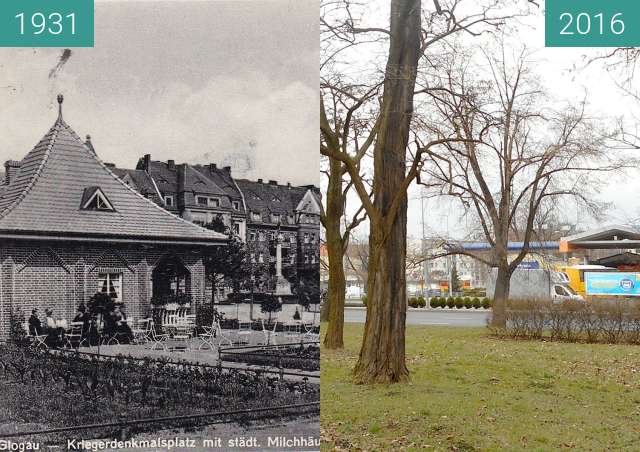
(168, 198)
(200, 198)
(236, 205)
(111, 279)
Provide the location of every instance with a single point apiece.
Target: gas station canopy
(611, 237)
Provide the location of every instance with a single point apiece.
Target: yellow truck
(575, 273)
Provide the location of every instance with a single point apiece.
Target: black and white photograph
(160, 232)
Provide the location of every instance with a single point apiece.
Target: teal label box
(46, 23)
(592, 23)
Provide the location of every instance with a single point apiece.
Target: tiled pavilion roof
(44, 197)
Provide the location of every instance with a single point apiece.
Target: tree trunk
(335, 250)
(382, 356)
(324, 310)
(500, 297)
(337, 284)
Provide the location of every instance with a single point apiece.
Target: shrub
(18, 334)
(364, 299)
(413, 302)
(468, 303)
(486, 303)
(459, 303)
(422, 302)
(270, 305)
(451, 302)
(434, 302)
(476, 303)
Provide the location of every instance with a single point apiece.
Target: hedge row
(608, 322)
(460, 302)
(446, 302)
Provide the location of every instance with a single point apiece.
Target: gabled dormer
(93, 198)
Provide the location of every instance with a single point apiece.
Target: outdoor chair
(183, 333)
(310, 332)
(36, 340)
(74, 337)
(270, 335)
(213, 333)
(292, 332)
(156, 338)
(244, 333)
(141, 331)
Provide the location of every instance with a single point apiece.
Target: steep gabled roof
(266, 198)
(46, 193)
(222, 178)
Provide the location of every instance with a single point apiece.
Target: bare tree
(382, 356)
(517, 158)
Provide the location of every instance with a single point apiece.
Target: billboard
(612, 283)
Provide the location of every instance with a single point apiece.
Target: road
(464, 318)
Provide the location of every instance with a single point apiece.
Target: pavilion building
(70, 227)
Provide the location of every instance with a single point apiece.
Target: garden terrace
(57, 389)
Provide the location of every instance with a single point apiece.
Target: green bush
(459, 303)
(451, 302)
(468, 303)
(364, 299)
(421, 302)
(434, 302)
(476, 302)
(486, 303)
(443, 302)
(413, 302)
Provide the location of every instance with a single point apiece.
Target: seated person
(35, 326)
(123, 328)
(54, 332)
(109, 320)
(81, 315)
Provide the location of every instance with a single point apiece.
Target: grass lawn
(470, 391)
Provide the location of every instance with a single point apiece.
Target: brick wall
(60, 277)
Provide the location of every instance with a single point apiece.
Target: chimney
(259, 181)
(182, 176)
(146, 162)
(227, 169)
(213, 167)
(273, 182)
(11, 167)
(289, 185)
(110, 165)
(171, 164)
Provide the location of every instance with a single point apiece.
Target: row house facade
(262, 213)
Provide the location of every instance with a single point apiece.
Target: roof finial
(60, 100)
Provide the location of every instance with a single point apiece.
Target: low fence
(217, 417)
(303, 356)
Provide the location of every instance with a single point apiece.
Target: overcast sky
(231, 82)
